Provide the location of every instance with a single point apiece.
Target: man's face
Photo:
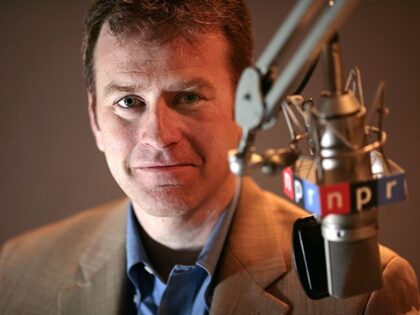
(164, 119)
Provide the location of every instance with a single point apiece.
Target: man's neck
(175, 240)
(186, 229)
(180, 232)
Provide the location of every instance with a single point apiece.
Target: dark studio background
(49, 164)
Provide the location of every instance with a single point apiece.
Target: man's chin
(165, 203)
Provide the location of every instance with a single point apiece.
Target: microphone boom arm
(258, 95)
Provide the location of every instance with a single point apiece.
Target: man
(160, 78)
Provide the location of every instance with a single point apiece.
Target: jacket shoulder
(40, 263)
(399, 293)
(81, 225)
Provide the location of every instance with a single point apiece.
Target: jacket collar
(254, 258)
(108, 239)
(99, 285)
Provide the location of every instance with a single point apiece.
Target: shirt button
(148, 269)
(136, 299)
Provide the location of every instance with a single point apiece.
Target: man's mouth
(162, 167)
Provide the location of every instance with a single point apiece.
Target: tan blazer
(77, 267)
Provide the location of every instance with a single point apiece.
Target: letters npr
(345, 197)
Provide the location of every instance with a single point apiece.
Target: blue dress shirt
(188, 289)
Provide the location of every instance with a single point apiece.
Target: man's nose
(160, 126)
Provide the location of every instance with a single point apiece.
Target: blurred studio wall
(49, 164)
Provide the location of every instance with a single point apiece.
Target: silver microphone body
(339, 136)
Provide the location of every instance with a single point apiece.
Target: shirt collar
(209, 255)
(134, 246)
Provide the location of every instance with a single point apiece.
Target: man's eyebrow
(195, 83)
(191, 84)
(114, 87)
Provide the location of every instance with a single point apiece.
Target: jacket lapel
(99, 286)
(254, 257)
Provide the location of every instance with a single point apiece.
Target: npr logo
(343, 198)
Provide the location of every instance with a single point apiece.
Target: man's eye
(128, 102)
(188, 99)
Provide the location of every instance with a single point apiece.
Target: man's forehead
(135, 49)
(149, 42)
(138, 38)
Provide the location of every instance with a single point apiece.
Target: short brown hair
(168, 19)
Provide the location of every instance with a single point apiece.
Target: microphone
(351, 246)
(345, 188)
(345, 176)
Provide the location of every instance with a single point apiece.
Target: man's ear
(93, 119)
